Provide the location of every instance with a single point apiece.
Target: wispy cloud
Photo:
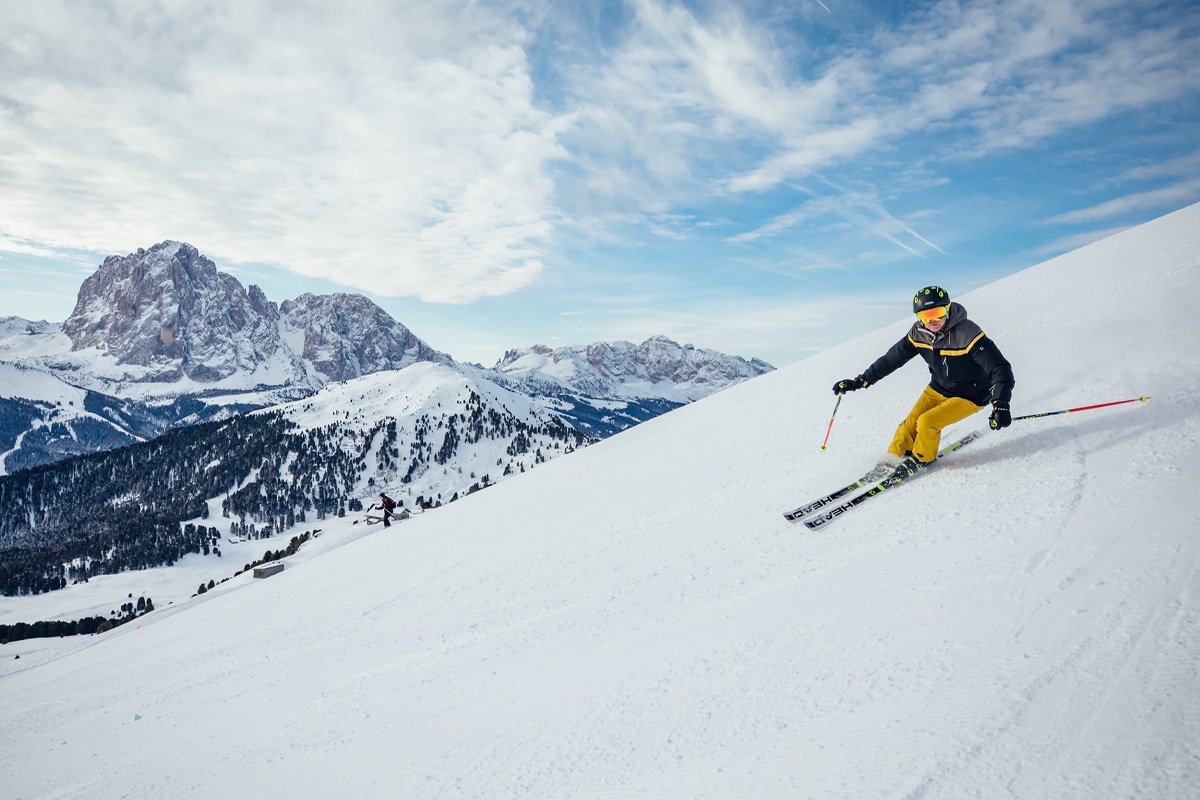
(783, 222)
(10, 244)
(860, 209)
(986, 76)
(701, 107)
(1185, 165)
(1175, 195)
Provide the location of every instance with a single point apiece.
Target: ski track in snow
(1060, 594)
(637, 620)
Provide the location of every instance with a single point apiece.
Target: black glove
(849, 385)
(1001, 417)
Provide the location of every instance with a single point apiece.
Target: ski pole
(831, 418)
(1080, 408)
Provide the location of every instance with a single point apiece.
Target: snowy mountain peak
(168, 311)
(658, 367)
(167, 314)
(19, 326)
(345, 336)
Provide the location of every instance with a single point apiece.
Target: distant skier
(967, 372)
(388, 508)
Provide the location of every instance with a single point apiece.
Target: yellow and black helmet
(930, 297)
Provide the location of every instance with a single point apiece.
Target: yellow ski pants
(921, 431)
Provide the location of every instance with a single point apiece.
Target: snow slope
(19, 326)
(639, 620)
(53, 408)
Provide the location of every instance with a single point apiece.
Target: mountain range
(160, 338)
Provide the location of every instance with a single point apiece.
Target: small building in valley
(267, 570)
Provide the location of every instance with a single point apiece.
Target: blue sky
(763, 178)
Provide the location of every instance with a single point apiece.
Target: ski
(906, 470)
(878, 472)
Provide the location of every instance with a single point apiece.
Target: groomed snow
(638, 620)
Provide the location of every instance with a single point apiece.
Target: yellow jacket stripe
(962, 352)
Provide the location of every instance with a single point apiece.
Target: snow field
(638, 620)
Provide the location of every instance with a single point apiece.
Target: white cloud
(1012, 73)
(781, 223)
(393, 147)
(1188, 164)
(10, 244)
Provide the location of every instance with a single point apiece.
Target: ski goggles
(933, 314)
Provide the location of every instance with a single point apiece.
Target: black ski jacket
(963, 361)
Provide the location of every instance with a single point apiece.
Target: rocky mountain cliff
(166, 314)
(345, 336)
(169, 312)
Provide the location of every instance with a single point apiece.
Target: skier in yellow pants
(921, 430)
(967, 371)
